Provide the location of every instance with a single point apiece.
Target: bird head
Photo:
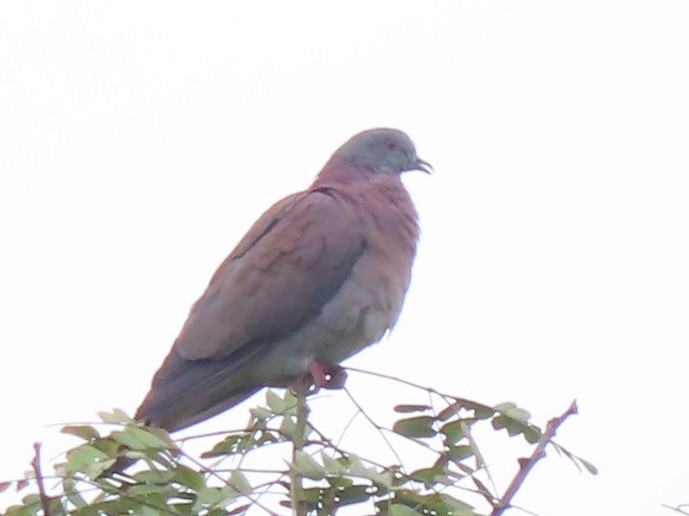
(382, 150)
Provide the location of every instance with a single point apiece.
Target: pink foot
(326, 375)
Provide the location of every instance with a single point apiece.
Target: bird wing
(290, 263)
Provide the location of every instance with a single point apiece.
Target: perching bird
(321, 275)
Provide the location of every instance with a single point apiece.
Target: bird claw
(322, 374)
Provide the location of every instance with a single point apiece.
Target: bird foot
(322, 374)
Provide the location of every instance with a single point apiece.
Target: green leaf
(107, 446)
(332, 466)
(260, 414)
(72, 493)
(117, 416)
(215, 496)
(154, 476)
(460, 452)
(454, 431)
(426, 475)
(511, 410)
(232, 444)
(359, 469)
(83, 456)
(148, 489)
(141, 439)
(398, 509)
(239, 482)
(457, 507)
(188, 477)
(421, 426)
(85, 432)
(288, 426)
(515, 427)
(305, 465)
(275, 402)
(354, 494)
(450, 410)
(411, 408)
(480, 411)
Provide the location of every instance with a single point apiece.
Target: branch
(525, 465)
(36, 465)
(680, 509)
(298, 441)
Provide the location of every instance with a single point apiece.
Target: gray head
(382, 150)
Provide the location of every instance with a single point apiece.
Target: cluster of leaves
(167, 481)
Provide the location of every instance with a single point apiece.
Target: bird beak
(423, 166)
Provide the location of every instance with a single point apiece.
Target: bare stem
(525, 465)
(36, 465)
(298, 441)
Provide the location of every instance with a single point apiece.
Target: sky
(141, 139)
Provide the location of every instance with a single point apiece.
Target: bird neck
(339, 170)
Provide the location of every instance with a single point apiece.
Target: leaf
(354, 494)
(460, 452)
(147, 489)
(239, 482)
(575, 459)
(72, 493)
(411, 408)
(275, 402)
(288, 427)
(358, 468)
(154, 476)
(421, 426)
(480, 411)
(260, 414)
(450, 411)
(427, 475)
(188, 477)
(589, 467)
(332, 466)
(397, 509)
(85, 432)
(214, 496)
(457, 507)
(434, 503)
(454, 431)
(141, 439)
(515, 427)
(511, 410)
(482, 488)
(107, 446)
(82, 457)
(4, 486)
(305, 465)
(232, 444)
(116, 416)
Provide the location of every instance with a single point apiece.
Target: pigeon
(320, 275)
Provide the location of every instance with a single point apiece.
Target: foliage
(324, 477)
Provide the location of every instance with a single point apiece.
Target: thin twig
(680, 509)
(525, 465)
(214, 472)
(36, 464)
(421, 387)
(376, 426)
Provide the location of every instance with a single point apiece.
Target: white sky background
(139, 140)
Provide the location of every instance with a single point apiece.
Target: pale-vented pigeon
(321, 275)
